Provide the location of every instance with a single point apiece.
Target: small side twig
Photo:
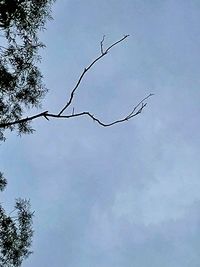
(102, 41)
(140, 103)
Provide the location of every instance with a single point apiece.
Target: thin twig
(140, 103)
(102, 41)
(119, 41)
(86, 70)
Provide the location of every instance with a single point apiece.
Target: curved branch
(136, 111)
(45, 114)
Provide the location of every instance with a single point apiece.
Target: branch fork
(60, 115)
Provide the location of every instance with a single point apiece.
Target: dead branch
(87, 69)
(137, 110)
(47, 115)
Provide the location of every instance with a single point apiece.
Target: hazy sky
(126, 196)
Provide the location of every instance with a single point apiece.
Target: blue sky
(127, 195)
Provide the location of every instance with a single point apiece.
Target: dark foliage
(21, 84)
(21, 88)
(15, 234)
(3, 182)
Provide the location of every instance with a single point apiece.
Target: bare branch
(136, 111)
(86, 70)
(45, 114)
(119, 41)
(7, 124)
(102, 44)
(140, 103)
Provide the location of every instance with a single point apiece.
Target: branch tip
(103, 53)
